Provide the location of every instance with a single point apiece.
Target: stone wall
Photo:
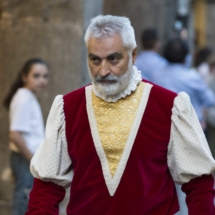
(52, 30)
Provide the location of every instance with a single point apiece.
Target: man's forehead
(105, 46)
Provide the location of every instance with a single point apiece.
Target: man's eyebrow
(93, 56)
(115, 54)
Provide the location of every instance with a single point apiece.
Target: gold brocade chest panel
(114, 121)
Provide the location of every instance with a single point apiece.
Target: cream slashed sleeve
(51, 161)
(189, 155)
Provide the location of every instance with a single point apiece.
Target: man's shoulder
(161, 100)
(160, 93)
(76, 94)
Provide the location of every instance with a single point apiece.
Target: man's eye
(95, 60)
(113, 59)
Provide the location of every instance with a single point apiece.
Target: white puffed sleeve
(51, 161)
(189, 155)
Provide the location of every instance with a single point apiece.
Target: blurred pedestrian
(26, 127)
(177, 77)
(148, 59)
(201, 64)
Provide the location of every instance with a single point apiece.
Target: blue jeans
(23, 183)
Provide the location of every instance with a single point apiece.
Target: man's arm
(189, 157)
(200, 195)
(51, 165)
(45, 198)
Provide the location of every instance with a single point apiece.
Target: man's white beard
(119, 83)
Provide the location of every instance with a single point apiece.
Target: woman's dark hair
(176, 50)
(18, 83)
(202, 55)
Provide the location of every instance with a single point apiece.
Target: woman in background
(201, 62)
(26, 127)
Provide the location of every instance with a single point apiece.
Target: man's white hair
(108, 25)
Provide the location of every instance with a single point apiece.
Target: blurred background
(54, 30)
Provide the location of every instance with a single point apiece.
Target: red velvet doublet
(146, 186)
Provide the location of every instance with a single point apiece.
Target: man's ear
(134, 55)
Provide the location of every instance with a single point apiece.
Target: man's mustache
(107, 78)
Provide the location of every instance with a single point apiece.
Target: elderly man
(121, 142)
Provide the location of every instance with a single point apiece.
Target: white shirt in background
(26, 117)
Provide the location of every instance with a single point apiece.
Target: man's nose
(104, 69)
